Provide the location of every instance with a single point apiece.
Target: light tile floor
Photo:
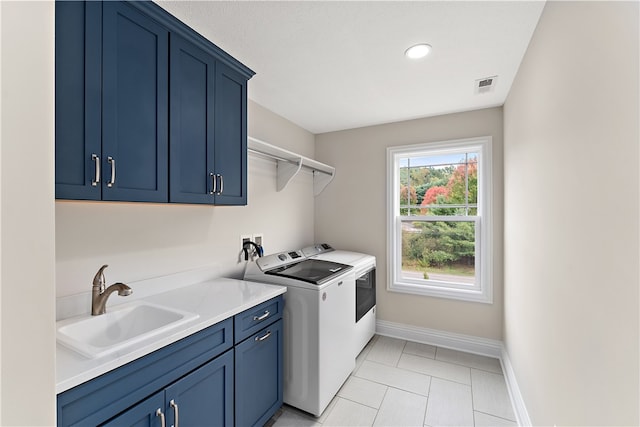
(402, 383)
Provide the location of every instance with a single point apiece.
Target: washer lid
(313, 271)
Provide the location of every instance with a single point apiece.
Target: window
(439, 219)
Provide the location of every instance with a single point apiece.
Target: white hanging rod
(271, 156)
(258, 146)
(290, 163)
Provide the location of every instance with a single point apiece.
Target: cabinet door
(231, 136)
(144, 414)
(135, 104)
(192, 77)
(77, 99)
(259, 376)
(205, 396)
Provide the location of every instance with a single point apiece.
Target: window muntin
(439, 225)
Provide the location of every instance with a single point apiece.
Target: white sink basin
(120, 327)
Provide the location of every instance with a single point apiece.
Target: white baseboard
(514, 391)
(466, 343)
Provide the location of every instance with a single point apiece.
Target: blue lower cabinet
(148, 413)
(123, 389)
(202, 398)
(259, 376)
(201, 380)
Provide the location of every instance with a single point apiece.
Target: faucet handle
(98, 279)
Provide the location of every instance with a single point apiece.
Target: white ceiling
(333, 65)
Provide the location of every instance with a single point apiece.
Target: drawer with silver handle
(251, 321)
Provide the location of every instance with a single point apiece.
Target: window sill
(471, 295)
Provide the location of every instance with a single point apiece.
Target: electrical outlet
(244, 239)
(258, 238)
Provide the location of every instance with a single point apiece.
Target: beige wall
(276, 130)
(571, 216)
(351, 213)
(142, 240)
(27, 269)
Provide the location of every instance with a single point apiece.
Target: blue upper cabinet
(135, 103)
(78, 79)
(208, 128)
(146, 108)
(191, 174)
(231, 137)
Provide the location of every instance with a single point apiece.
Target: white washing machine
(364, 267)
(318, 318)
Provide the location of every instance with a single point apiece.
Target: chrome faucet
(99, 294)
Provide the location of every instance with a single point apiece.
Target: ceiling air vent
(486, 84)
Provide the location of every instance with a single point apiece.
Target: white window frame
(482, 291)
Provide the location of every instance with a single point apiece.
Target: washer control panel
(316, 249)
(269, 262)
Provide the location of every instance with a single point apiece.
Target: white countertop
(213, 300)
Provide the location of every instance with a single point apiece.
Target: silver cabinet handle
(217, 184)
(161, 415)
(214, 184)
(221, 178)
(264, 337)
(264, 316)
(174, 405)
(112, 162)
(96, 161)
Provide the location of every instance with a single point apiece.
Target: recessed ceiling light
(418, 51)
